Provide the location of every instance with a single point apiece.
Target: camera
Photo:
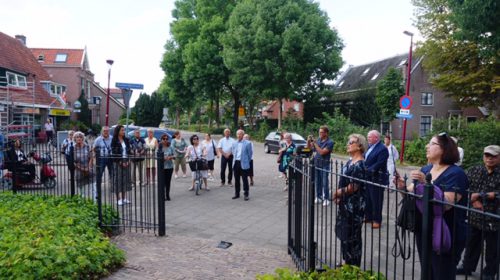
(310, 139)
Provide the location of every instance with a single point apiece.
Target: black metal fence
(316, 231)
(132, 185)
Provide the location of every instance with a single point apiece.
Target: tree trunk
(217, 109)
(189, 118)
(211, 110)
(236, 98)
(177, 117)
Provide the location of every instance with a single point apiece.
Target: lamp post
(408, 81)
(110, 63)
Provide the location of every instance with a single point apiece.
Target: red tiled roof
(17, 57)
(74, 56)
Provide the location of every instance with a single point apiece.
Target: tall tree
(85, 115)
(279, 47)
(389, 91)
(457, 65)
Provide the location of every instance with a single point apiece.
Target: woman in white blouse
(151, 146)
(194, 152)
(209, 144)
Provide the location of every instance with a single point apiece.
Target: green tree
(85, 115)
(389, 91)
(148, 109)
(456, 65)
(280, 47)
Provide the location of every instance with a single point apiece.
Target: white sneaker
(317, 200)
(120, 202)
(326, 203)
(184, 176)
(176, 176)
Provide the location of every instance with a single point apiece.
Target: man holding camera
(322, 148)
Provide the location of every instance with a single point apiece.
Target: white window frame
(421, 128)
(375, 76)
(296, 107)
(18, 80)
(422, 98)
(366, 71)
(60, 55)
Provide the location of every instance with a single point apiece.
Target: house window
(425, 125)
(296, 107)
(403, 62)
(41, 57)
(427, 98)
(374, 76)
(366, 71)
(16, 80)
(341, 83)
(88, 89)
(471, 119)
(61, 57)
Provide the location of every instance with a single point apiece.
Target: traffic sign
(405, 102)
(404, 111)
(129, 86)
(127, 93)
(403, 116)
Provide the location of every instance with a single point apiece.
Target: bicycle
(198, 181)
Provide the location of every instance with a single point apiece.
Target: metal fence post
(71, 166)
(161, 193)
(426, 218)
(99, 171)
(311, 258)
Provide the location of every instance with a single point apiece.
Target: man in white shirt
(224, 147)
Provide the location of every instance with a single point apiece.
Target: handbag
(215, 151)
(406, 216)
(198, 163)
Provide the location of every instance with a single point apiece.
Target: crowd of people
(359, 195)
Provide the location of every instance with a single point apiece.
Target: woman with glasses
(82, 159)
(197, 152)
(180, 146)
(350, 197)
(442, 154)
(168, 164)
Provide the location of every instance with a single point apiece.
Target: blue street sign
(404, 116)
(129, 86)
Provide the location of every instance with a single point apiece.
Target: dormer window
(403, 62)
(41, 57)
(366, 71)
(375, 76)
(341, 83)
(16, 80)
(61, 57)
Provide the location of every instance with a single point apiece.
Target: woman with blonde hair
(151, 146)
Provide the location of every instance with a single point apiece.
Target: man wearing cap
(484, 187)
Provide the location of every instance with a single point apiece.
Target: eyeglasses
(195, 139)
(164, 138)
(352, 142)
(434, 143)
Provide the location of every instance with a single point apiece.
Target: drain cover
(224, 245)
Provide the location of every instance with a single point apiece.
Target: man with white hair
(243, 153)
(376, 166)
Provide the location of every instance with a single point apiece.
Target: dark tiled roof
(18, 58)
(367, 75)
(74, 56)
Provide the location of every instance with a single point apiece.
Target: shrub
(346, 272)
(46, 237)
(74, 125)
(340, 128)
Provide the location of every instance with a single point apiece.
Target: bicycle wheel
(198, 183)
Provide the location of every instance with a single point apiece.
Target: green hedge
(346, 272)
(47, 237)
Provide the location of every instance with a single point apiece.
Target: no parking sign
(405, 102)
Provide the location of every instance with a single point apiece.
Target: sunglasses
(443, 134)
(164, 138)
(352, 142)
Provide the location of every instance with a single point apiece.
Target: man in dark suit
(376, 166)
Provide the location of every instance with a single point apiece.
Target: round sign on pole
(405, 102)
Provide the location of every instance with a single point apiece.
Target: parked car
(272, 141)
(127, 129)
(157, 132)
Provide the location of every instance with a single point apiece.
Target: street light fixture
(110, 63)
(408, 81)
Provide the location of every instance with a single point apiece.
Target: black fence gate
(388, 249)
(103, 178)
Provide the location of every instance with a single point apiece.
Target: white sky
(133, 33)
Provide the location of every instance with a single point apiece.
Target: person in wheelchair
(17, 161)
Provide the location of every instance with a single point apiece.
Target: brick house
(428, 102)
(71, 68)
(25, 96)
(290, 108)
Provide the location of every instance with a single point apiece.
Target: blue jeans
(321, 181)
(101, 166)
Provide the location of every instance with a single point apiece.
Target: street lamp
(408, 81)
(110, 63)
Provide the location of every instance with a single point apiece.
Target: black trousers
(226, 162)
(475, 246)
(238, 172)
(168, 178)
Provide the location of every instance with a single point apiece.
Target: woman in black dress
(120, 149)
(351, 201)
